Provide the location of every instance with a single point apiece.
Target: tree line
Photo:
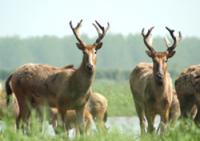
(119, 53)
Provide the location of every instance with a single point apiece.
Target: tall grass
(120, 104)
(184, 131)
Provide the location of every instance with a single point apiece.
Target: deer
(95, 110)
(71, 120)
(98, 107)
(151, 84)
(175, 111)
(187, 87)
(65, 88)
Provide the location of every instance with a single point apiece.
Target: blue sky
(51, 17)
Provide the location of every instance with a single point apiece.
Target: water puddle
(125, 125)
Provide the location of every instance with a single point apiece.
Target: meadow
(120, 104)
(120, 100)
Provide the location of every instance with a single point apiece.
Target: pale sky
(51, 17)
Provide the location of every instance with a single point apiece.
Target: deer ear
(170, 54)
(99, 45)
(81, 47)
(149, 53)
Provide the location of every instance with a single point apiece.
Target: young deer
(151, 84)
(98, 107)
(95, 110)
(71, 120)
(64, 88)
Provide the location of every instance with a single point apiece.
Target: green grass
(120, 104)
(120, 100)
(184, 131)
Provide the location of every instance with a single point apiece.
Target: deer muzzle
(89, 67)
(159, 75)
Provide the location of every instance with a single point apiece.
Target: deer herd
(67, 91)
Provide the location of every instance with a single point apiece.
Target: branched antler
(147, 39)
(176, 40)
(100, 34)
(76, 31)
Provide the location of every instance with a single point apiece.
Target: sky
(51, 17)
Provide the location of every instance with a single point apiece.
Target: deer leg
(164, 120)
(194, 111)
(141, 116)
(23, 115)
(80, 120)
(88, 124)
(18, 120)
(53, 119)
(164, 114)
(197, 117)
(150, 115)
(63, 118)
(77, 129)
(39, 112)
(20, 112)
(58, 120)
(100, 122)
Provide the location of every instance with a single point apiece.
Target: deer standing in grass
(95, 110)
(71, 120)
(151, 84)
(64, 88)
(98, 107)
(188, 90)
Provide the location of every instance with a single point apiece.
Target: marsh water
(126, 125)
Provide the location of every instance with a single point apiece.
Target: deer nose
(89, 67)
(159, 75)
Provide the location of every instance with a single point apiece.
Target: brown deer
(188, 90)
(64, 88)
(151, 84)
(95, 110)
(175, 111)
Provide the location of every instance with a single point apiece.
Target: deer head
(160, 58)
(89, 51)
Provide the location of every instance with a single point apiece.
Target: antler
(176, 39)
(147, 39)
(76, 31)
(100, 35)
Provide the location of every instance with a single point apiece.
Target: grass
(184, 131)
(120, 101)
(120, 104)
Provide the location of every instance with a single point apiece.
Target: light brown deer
(71, 120)
(64, 88)
(188, 90)
(95, 110)
(151, 84)
(98, 107)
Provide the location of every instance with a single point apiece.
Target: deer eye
(166, 61)
(95, 51)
